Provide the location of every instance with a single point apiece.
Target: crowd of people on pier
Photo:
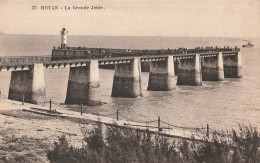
(86, 53)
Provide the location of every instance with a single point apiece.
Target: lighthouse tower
(63, 33)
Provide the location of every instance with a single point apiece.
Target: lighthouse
(63, 33)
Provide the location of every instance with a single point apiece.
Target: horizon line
(2, 33)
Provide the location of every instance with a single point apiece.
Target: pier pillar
(28, 83)
(213, 68)
(161, 77)
(176, 66)
(233, 66)
(145, 66)
(127, 80)
(84, 85)
(189, 72)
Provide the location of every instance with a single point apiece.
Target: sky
(188, 18)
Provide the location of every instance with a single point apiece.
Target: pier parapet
(28, 85)
(213, 68)
(189, 72)
(127, 80)
(84, 85)
(233, 65)
(161, 77)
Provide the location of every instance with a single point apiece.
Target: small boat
(248, 45)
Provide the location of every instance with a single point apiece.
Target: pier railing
(23, 60)
(29, 60)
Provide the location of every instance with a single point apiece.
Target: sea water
(222, 104)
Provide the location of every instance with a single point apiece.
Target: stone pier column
(213, 68)
(189, 72)
(161, 77)
(84, 85)
(233, 66)
(176, 66)
(145, 66)
(127, 80)
(28, 83)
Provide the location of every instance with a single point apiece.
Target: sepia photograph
(129, 81)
